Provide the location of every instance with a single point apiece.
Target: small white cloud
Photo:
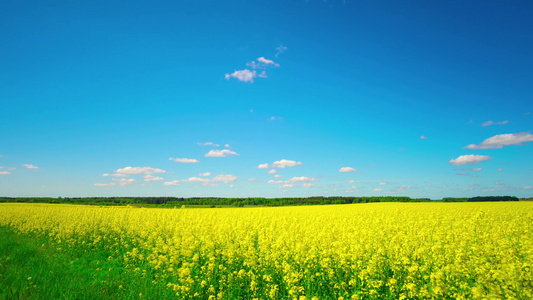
(185, 160)
(477, 169)
(175, 182)
(488, 123)
(498, 183)
(124, 181)
(152, 178)
(528, 187)
(277, 176)
(275, 181)
(349, 181)
(286, 186)
(227, 146)
(205, 174)
(378, 190)
(470, 159)
(272, 171)
(500, 170)
(5, 173)
(285, 163)
(347, 169)
(105, 184)
(253, 180)
(267, 62)
(242, 75)
(30, 166)
(196, 179)
(273, 118)
(231, 186)
(308, 185)
(263, 166)
(383, 183)
(501, 140)
(220, 153)
(139, 170)
(301, 179)
(423, 137)
(225, 178)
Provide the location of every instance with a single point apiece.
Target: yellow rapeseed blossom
(359, 251)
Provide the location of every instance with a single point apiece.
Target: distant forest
(241, 202)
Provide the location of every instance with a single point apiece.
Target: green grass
(31, 269)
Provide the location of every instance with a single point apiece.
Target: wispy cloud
(175, 182)
(105, 184)
(5, 173)
(378, 190)
(280, 50)
(137, 170)
(205, 174)
(152, 178)
(220, 153)
(124, 181)
(30, 166)
(423, 137)
(501, 140)
(301, 179)
(275, 181)
(488, 123)
(470, 159)
(184, 160)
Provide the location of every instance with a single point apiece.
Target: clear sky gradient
(266, 98)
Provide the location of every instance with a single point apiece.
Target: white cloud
(280, 164)
(349, 181)
(30, 166)
(220, 153)
(301, 179)
(488, 123)
(275, 181)
(286, 186)
(175, 182)
(285, 163)
(208, 144)
(500, 170)
(138, 170)
(184, 160)
(423, 137)
(500, 140)
(5, 173)
(115, 175)
(275, 118)
(267, 62)
(242, 75)
(105, 184)
(280, 50)
(225, 178)
(528, 187)
(205, 174)
(383, 183)
(196, 179)
(470, 159)
(272, 171)
(308, 185)
(347, 169)
(231, 186)
(277, 176)
(152, 178)
(477, 169)
(262, 63)
(498, 183)
(124, 181)
(378, 190)
(227, 146)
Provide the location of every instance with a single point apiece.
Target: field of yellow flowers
(357, 251)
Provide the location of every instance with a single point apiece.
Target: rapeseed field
(357, 251)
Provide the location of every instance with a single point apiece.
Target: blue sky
(266, 98)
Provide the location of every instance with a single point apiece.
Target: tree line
(240, 202)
